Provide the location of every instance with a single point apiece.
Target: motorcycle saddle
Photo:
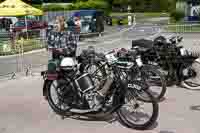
(144, 44)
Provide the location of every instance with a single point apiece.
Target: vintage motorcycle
(75, 93)
(139, 71)
(180, 66)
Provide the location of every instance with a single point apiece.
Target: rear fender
(46, 85)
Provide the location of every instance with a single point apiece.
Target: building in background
(191, 8)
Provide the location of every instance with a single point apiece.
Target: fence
(13, 61)
(182, 28)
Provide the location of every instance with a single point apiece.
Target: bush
(90, 4)
(54, 7)
(29, 45)
(177, 15)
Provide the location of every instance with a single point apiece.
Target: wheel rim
(55, 97)
(194, 81)
(96, 74)
(137, 111)
(154, 82)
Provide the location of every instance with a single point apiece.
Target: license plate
(134, 86)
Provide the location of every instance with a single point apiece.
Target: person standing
(63, 41)
(78, 26)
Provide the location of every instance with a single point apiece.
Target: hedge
(177, 15)
(90, 4)
(29, 45)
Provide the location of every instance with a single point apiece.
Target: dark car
(31, 25)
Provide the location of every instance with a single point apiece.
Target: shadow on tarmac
(166, 132)
(195, 108)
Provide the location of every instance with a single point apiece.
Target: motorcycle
(139, 71)
(180, 66)
(76, 92)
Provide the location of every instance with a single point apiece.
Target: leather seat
(143, 43)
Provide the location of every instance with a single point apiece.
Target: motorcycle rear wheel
(194, 82)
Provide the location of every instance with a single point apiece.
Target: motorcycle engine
(86, 86)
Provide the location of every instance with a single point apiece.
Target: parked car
(31, 25)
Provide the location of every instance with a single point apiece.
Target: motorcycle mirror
(180, 39)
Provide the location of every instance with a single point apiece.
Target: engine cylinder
(84, 82)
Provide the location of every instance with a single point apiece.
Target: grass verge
(28, 45)
(183, 28)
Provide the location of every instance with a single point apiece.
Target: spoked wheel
(136, 113)
(155, 80)
(57, 98)
(193, 71)
(98, 74)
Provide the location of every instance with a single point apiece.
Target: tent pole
(26, 28)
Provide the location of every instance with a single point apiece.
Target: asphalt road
(23, 110)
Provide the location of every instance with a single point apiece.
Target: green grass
(146, 15)
(124, 21)
(29, 45)
(157, 14)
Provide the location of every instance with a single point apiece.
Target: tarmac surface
(24, 110)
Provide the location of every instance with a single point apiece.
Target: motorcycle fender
(45, 87)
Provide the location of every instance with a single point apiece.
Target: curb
(30, 52)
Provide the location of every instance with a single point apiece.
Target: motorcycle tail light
(52, 76)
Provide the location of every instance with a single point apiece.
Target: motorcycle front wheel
(57, 98)
(129, 115)
(192, 83)
(155, 80)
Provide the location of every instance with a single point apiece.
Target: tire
(100, 69)
(46, 85)
(124, 120)
(161, 82)
(54, 107)
(191, 86)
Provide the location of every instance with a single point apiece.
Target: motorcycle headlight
(139, 61)
(183, 51)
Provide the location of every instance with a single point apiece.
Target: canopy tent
(18, 8)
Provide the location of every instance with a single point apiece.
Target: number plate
(134, 86)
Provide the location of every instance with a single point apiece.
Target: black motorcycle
(75, 93)
(139, 71)
(180, 66)
(145, 72)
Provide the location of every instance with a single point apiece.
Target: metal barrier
(182, 28)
